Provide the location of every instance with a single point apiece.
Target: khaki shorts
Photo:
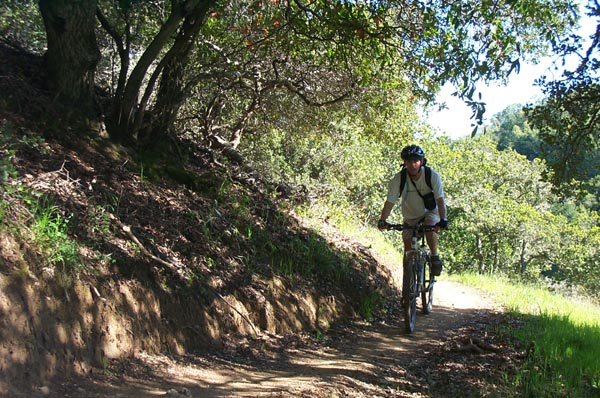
(430, 218)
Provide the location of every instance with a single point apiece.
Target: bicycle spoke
(410, 284)
(427, 292)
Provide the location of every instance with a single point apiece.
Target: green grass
(48, 229)
(50, 232)
(564, 333)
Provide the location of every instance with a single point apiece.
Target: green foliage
(513, 31)
(369, 304)
(308, 257)
(49, 231)
(498, 206)
(565, 359)
(567, 118)
(7, 169)
(579, 256)
(135, 23)
(343, 156)
(3, 210)
(511, 130)
(568, 128)
(337, 44)
(504, 216)
(100, 221)
(224, 68)
(48, 228)
(21, 25)
(10, 140)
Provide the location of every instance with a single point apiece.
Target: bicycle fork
(420, 274)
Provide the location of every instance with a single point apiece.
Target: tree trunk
(121, 123)
(480, 257)
(171, 94)
(522, 258)
(496, 247)
(123, 48)
(73, 53)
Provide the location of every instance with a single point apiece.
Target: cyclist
(421, 200)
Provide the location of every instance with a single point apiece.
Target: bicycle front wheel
(410, 293)
(427, 288)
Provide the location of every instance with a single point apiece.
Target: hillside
(116, 268)
(170, 257)
(164, 269)
(135, 323)
(449, 355)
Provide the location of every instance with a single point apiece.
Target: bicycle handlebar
(419, 227)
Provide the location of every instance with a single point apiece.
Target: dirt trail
(362, 361)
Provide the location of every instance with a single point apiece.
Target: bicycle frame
(417, 280)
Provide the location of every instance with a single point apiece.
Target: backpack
(403, 178)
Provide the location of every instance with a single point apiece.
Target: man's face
(413, 166)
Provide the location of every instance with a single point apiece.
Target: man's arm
(385, 212)
(443, 223)
(387, 209)
(441, 205)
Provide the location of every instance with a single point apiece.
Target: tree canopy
(324, 94)
(568, 119)
(212, 66)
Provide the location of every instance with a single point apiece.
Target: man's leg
(436, 261)
(432, 241)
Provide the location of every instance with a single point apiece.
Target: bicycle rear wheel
(410, 294)
(427, 290)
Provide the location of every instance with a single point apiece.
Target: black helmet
(412, 152)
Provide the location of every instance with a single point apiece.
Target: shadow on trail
(365, 358)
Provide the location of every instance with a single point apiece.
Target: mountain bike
(417, 278)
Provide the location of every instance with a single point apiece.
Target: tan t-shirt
(412, 203)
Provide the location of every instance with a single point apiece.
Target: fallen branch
(469, 347)
(484, 345)
(477, 346)
(167, 264)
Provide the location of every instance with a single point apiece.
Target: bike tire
(427, 290)
(410, 293)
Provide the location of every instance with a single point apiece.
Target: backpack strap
(428, 177)
(402, 180)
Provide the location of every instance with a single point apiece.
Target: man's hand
(383, 225)
(442, 224)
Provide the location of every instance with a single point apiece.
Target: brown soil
(451, 354)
